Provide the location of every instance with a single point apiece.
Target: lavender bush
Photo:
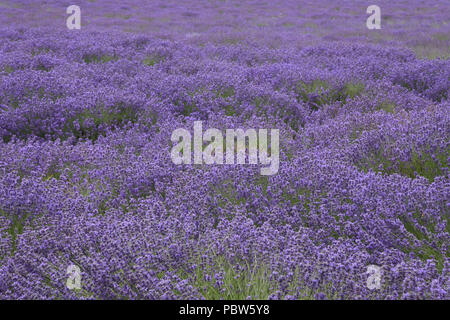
(86, 177)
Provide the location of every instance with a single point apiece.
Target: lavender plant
(86, 176)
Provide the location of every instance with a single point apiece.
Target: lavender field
(87, 182)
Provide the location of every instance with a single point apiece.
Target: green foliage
(117, 116)
(38, 51)
(52, 173)
(152, 60)
(426, 251)
(16, 226)
(319, 92)
(225, 94)
(387, 106)
(293, 198)
(188, 108)
(355, 134)
(188, 105)
(6, 138)
(260, 102)
(91, 58)
(305, 90)
(230, 110)
(253, 281)
(424, 165)
(8, 69)
(419, 164)
(228, 194)
(352, 90)
(14, 101)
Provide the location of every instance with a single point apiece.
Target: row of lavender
(86, 176)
